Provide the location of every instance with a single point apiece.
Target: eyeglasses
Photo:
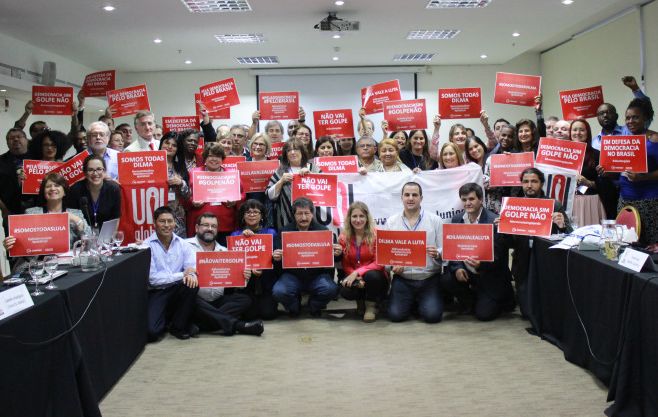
(95, 170)
(258, 145)
(253, 213)
(366, 145)
(208, 226)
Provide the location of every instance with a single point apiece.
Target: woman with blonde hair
(390, 156)
(450, 156)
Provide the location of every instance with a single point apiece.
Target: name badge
(14, 300)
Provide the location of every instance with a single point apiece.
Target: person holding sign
(178, 177)
(145, 127)
(413, 285)
(366, 147)
(506, 144)
(416, 155)
(482, 287)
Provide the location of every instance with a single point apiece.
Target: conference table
(98, 320)
(570, 291)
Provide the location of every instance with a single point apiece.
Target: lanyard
(420, 218)
(357, 250)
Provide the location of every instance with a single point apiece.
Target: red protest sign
(138, 202)
(129, 100)
(405, 114)
(220, 269)
(333, 122)
(374, 96)
(308, 249)
(255, 175)
(219, 95)
(463, 241)
(52, 101)
(624, 153)
(72, 169)
(97, 84)
(401, 247)
(34, 172)
(215, 187)
(506, 169)
(145, 167)
(39, 234)
(526, 216)
(560, 153)
(321, 189)
(179, 123)
(517, 89)
(257, 249)
(581, 103)
(460, 103)
(230, 163)
(279, 105)
(220, 114)
(276, 150)
(338, 164)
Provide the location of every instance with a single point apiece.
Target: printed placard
(257, 249)
(279, 105)
(506, 169)
(336, 123)
(39, 234)
(276, 150)
(144, 167)
(313, 249)
(52, 101)
(560, 153)
(230, 163)
(129, 100)
(220, 269)
(405, 114)
(373, 97)
(215, 187)
(338, 164)
(517, 89)
(219, 95)
(464, 241)
(633, 259)
(460, 103)
(73, 169)
(581, 103)
(321, 189)
(255, 175)
(624, 153)
(97, 84)
(179, 123)
(219, 114)
(34, 172)
(14, 300)
(526, 216)
(401, 248)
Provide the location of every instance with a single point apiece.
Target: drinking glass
(108, 244)
(36, 272)
(117, 238)
(50, 265)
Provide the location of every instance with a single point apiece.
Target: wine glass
(50, 265)
(117, 238)
(107, 244)
(36, 272)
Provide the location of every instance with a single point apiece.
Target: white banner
(560, 184)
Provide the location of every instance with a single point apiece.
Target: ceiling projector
(332, 23)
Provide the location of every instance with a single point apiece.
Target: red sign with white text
(322, 189)
(405, 115)
(334, 122)
(582, 103)
(72, 169)
(463, 241)
(127, 101)
(97, 84)
(219, 95)
(257, 249)
(215, 187)
(276, 150)
(506, 169)
(338, 164)
(231, 162)
(220, 269)
(517, 89)
(221, 114)
(313, 249)
(526, 216)
(560, 153)
(402, 248)
(179, 123)
(52, 101)
(145, 167)
(279, 105)
(34, 172)
(39, 234)
(460, 103)
(138, 202)
(255, 175)
(624, 153)
(374, 96)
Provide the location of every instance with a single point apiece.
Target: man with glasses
(98, 136)
(365, 149)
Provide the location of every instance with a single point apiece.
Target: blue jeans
(288, 288)
(405, 293)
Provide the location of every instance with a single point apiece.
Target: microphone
(84, 203)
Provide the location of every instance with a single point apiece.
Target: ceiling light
(567, 2)
(109, 8)
(432, 34)
(339, 2)
(516, 34)
(188, 62)
(257, 60)
(335, 58)
(3, 91)
(101, 110)
(241, 38)
(217, 6)
(157, 40)
(457, 4)
(483, 56)
(413, 57)
(336, 36)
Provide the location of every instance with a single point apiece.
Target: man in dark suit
(485, 287)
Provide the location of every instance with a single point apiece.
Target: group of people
(184, 226)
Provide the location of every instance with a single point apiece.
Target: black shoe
(194, 331)
(254, 328)
(316, 313)
(179, 334)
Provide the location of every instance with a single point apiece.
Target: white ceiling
(123, 39)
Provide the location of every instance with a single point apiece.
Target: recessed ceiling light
(241, 38)
(157, 40)
(335, 58)
(3, 91)
(567, 2)
(413, 57)
(109, 8)
(257, 60)
(516, 34)
(483, 56)
(188, 62)
(217, 6)
(432, 34)
(457, 4)
(339, 2)
(336, 36)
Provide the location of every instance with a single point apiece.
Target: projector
(332, 23)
